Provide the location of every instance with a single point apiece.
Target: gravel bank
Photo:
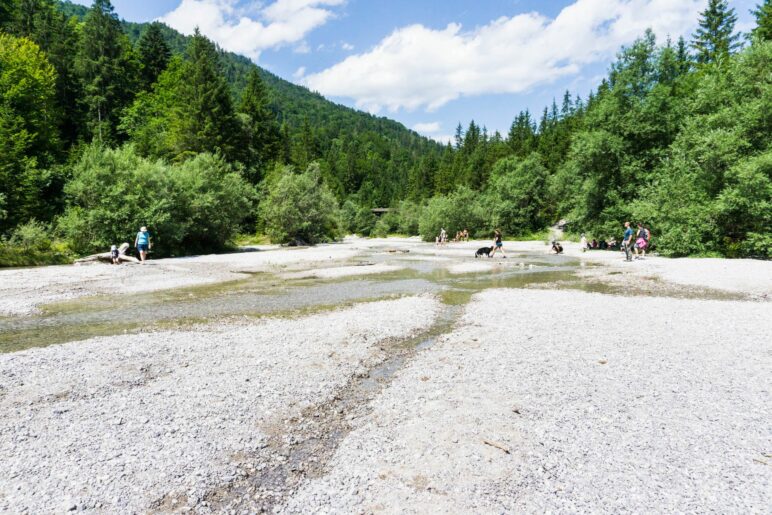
(126, 423)
(23, 290)
(558, 401)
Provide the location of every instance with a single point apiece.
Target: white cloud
(347, 46)
(299, 73)
(428, 127)
(302, 48)
(250, 30)
(418, 67)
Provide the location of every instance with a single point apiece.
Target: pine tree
(459, 137)
(206, 119)
(683, 57)
(567, 108)
(106, 69)
(763, 13)
(261, 129)
(715, 38)
(154, 55)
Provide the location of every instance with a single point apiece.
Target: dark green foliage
(679, 142)
(32, 244)
(154, 55)
(763, 14)
(462, 209)
(262, 139)
(715, 38)
(300, 209)
(6, 12)
(188, 111)
(517, 195)
(28, 131)
(191, 207)
(107, 70)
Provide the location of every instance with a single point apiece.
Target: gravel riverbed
(117, 424)
(652, 396)
(558, 401)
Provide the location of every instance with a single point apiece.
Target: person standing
(583, 243)
(498, 244)
(641, 242)
(627, 241)
(142, 242)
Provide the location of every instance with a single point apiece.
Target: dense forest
(107, 125)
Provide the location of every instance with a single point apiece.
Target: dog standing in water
(483, 251)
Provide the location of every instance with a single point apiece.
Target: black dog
(485, 250)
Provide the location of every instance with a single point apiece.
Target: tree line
(107, 125)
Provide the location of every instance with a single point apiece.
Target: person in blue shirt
(627, 241)
(142, 242)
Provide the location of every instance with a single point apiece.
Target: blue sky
(432, 64)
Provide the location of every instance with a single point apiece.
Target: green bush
(462, 209)
(348, 213)
(517, 195)
(193, 207)
(364, 221)
(300, 209)
(408, 217)
(32, 244)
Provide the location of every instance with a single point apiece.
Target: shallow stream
(266, 294)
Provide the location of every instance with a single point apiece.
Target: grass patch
(243, 240)
(18, 255)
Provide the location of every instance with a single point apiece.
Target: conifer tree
(261, 131)
(154, 55)
(682, 56)
(206, 119)
(106, 69)
(763, 14)
(715, 38)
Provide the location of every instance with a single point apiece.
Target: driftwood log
(108, 258)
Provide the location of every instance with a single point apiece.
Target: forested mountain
(107, 125)
(317, 129)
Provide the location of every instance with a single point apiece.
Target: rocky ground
(651, 396)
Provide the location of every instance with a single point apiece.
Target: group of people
(141, 242)
(635, 242)
(609, 244)
(442, 239)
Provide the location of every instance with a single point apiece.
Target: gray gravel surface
(156, 420)
(558, 401)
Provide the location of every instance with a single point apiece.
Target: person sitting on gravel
(557, 248)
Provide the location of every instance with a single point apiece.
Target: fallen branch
(496, 445)
(107, 256)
